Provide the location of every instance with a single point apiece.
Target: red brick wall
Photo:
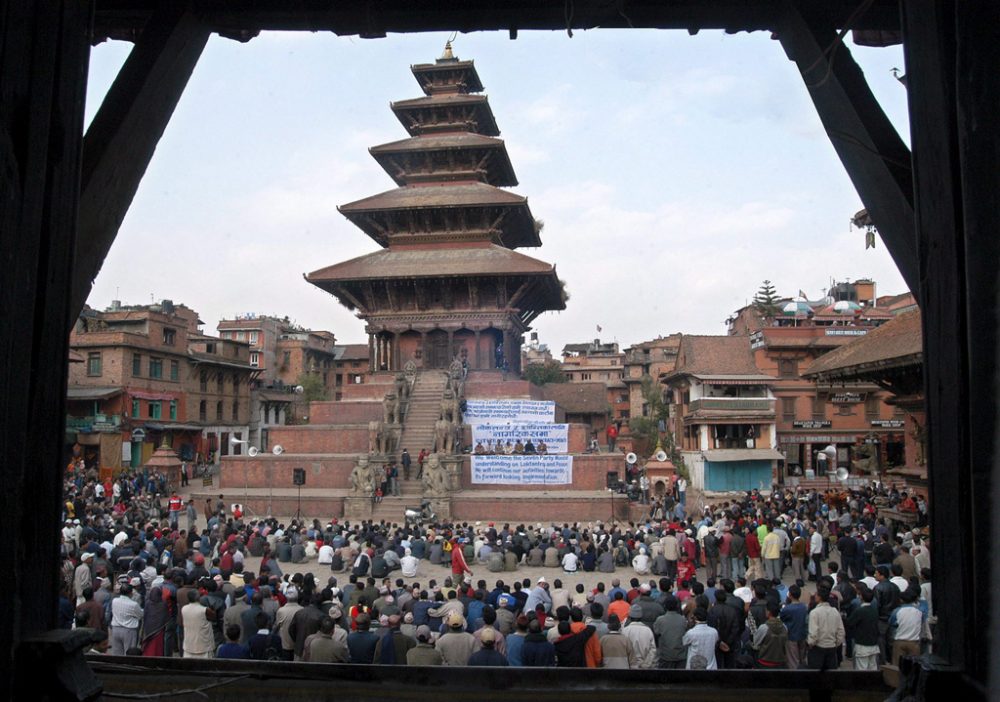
(345, 412)
(321, 473)
(320, 439)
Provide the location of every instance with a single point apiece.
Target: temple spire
(447, 55)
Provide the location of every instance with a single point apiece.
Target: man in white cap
(408, 563)
(539, 595)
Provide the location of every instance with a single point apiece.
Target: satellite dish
(278, 450)
(661, 455)
(631, 458)
(843, 474)
(253, 451)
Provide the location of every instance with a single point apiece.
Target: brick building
(722, 414)
(149, 374)
(648, 359)
(813, 415)
(350, 366)
(605, 363)
(890, 357)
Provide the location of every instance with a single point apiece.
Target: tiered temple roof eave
(443, 211)
(456, 112)
(485, 159)
(461, 75)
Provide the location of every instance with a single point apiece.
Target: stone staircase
(418, 433)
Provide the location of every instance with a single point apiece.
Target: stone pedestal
(357, 508)
(441, 507)
(453, 465)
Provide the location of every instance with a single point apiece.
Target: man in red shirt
(612, 434)
(458, 564)
(174, 506)
(756, 568)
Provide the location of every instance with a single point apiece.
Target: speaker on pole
(299, 476)
(612, 480)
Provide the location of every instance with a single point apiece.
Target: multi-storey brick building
(722, 414)
(648, 359)
(149, 374)
(597, 362)
(813, 415)
(350, 366)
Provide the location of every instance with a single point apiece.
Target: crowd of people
(782, 580)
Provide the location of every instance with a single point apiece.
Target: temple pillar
(396, 365)
(371, 352)
(451, 347)
(477, 362)
(423, 349)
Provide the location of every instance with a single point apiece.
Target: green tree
(313, 389)
(543, 373)
(646, 429)
(766, 300)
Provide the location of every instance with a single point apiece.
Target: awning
(91, 393)
(723, 455)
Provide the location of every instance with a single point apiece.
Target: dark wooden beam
(876, 159)
(930, 64)
(125, 131)
(119, 19)
(44, 57)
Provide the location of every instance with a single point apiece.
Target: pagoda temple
(447, 282)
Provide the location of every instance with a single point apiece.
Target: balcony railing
(733, 403)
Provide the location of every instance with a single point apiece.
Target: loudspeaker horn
(278, 450)
(661, 455)
(631, 458)
(253, 451)
(843, 474)
(233, 440)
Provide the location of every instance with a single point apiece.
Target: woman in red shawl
(155, 616)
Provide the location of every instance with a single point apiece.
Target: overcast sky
(673, 173)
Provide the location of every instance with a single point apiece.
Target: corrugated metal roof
(91, 393)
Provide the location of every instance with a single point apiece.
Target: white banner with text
(555, 436)
(522, 470)
(497, 410)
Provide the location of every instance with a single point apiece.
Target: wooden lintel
(121, 139)
(876, 159)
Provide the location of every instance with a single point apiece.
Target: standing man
(199, 638)
(126, 616)
(406, 461)
(192, 516)
(815, 551)
(682, 486)
(174, 505)
(612, 434)
(826, 633)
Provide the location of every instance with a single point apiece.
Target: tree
(766, 300)
(543, 373)
(313, 389)
(646, 429)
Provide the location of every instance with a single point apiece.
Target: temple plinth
(447, 282)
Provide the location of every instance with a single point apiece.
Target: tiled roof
(433, 142)
(434, 195)
(433, 263)
(351, 352)
(578, 398)
(898, 341)
(715, 355)
(463, 151)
